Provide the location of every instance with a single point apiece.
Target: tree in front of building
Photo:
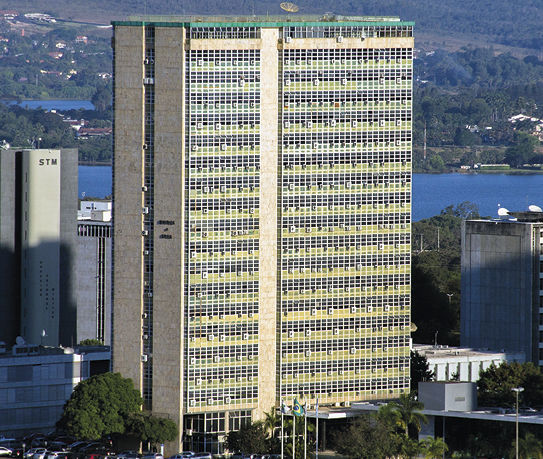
(434, 448)
(366, 437)
(420, 370)
(108, 405)
(91, 342)
(495, 384)
(529, 447)
(250, 438)
(409, 412)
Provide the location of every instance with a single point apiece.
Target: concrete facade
(501, 286)
(448, 396)
(38, 199)
(262, 204)
(94, 281)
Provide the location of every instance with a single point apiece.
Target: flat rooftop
(263, 20)
(446, 351)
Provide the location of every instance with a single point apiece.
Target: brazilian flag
(297, 409)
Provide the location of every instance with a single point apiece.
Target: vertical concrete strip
(268, 221)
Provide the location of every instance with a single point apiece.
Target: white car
(41, 453)
(53, 454)
(152, 456)
(5, 451)
(30, 453)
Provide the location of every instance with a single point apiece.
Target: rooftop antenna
(503, 212)
(289, 7)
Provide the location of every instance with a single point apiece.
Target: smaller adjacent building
(502, 284)
(462, 363)
(94, 271)
(36, 381)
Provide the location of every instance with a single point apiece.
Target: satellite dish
(502, 211)
(290, 7)
(20, 341)
(43, 333)
(534, 208)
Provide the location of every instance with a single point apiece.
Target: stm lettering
(48, 162)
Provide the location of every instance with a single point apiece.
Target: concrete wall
(451, 396)
(127, 219)
(88, 277)
(499, 296)
(40, 248)
(9, 260)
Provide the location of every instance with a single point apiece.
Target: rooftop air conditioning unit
(288, 39)
(340, 39)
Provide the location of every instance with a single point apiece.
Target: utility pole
(424, 141)
(517, 390)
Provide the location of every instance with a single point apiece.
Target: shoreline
(509, 172)
(94, 163)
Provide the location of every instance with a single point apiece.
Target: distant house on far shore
(8, 14)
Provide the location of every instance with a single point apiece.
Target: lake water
(434, 192)
(94, 181)
(58, 104)
(431, 192)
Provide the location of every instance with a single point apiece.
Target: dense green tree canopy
(250, 438)
(435, 273)
(420, 370)
(365, 438)
(495, 384)
(152, 429)
(99, 406)
(91, 342)
(108, 405)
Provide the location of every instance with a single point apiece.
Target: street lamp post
(517, 390)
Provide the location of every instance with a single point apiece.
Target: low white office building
(463, 364)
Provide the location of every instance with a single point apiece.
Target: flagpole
(317, 433)
(293, 435)
(305, 431)
(282, 421)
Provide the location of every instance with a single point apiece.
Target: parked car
(202, 456)
(5, 451)
(91, 447)
(30, 453)
(182, 455)
(129, 455)
(54, 454)
(40, 454)
(94, 456)
(152, 456)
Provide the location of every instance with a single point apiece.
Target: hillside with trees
(500, 21)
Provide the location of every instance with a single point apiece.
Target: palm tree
(409, 412)
(435, 447)
(409, 447)
(271, 422)
(529, 447)
(389, 416)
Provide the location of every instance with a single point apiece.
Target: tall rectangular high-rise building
(262, 204)
(38, 253)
